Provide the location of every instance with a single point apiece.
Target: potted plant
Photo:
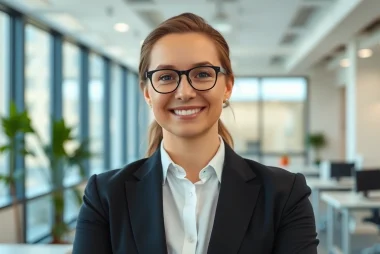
(14, 127)
(61, 160)
(317, 141)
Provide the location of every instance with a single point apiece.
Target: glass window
(37, 102)
(132, 111)
(116, 117)
(39, 218)
(96, 101)
(71, 103)
(283, 114)
(71, 205)
(241, 119)
(4, 198)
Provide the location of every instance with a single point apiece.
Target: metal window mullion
(124, 112)
(306, 114)
(106, 114)
(84, 101)
(137, 116)
(260, 119)
(56, 78)
(17, 94)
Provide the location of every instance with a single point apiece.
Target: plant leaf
(4, 148)
(78, 195)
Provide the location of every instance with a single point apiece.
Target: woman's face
(186, 112)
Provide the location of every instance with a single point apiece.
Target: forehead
(183, 50)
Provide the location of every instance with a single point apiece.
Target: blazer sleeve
(92, 230)
(297, 231)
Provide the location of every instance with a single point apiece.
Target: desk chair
(367, 180)
(375, 218)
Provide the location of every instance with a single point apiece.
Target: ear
(147, 95)
(229, 87)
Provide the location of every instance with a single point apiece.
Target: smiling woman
(193, 194)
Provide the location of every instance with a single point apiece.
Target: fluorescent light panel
(64, 20)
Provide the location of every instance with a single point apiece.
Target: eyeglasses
(201, 78)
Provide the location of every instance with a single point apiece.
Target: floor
(358, 242)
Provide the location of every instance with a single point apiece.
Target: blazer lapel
(144, 198)
(237, 199)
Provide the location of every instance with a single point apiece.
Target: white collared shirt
(189, 209)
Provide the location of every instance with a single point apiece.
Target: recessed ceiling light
(37, 3)
(365, 53)
(223, 28)
(64, 20)
(345, 63)
(121, 27)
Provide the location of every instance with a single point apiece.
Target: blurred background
(306, 98)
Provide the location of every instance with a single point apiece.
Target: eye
(203, 75)
(165, 78)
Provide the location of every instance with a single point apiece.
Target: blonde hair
(184, 23)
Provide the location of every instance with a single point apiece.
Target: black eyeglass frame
(217, 69)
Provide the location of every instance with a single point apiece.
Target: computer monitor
(341, 169)
(367, 180)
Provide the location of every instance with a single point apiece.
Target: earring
(226, 103)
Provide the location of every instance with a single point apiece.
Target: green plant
(61, 160)
(14, 127)
(317, 141)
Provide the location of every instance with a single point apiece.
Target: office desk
(307, 171)
(318, 185)
(345, 202)
(35, 249)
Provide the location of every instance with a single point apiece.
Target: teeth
(187, 112)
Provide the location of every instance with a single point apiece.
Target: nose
(185, 91)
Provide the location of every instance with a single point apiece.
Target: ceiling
(268, 37)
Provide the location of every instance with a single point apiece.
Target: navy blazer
(263, 210)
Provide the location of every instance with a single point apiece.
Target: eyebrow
(168, 66)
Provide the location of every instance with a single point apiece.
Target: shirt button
(191, 240)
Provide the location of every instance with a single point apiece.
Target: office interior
(307, 76)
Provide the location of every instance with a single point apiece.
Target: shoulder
(278, 180)
(112, 181)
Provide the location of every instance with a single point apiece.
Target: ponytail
(225, 134)
(155, 136)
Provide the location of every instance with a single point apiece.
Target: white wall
(368, 110)
(8, 232)
(325, 111)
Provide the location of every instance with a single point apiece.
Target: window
(116, 117)
(39, 218)
(37, 102)
(71, 103)
(283, 115)
(242, 118)
(4, 198)
(71, 205)
(132, 116)
(96, 101)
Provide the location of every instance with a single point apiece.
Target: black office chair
(375, 219)
(367, 180)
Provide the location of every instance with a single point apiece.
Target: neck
(192, 154)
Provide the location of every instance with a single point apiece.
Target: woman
(193, 194)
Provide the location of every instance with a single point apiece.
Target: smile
(187, 113)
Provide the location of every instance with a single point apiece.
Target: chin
(187, 132)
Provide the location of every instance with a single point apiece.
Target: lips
(186, 112)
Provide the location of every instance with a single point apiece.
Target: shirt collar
(216, 162)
